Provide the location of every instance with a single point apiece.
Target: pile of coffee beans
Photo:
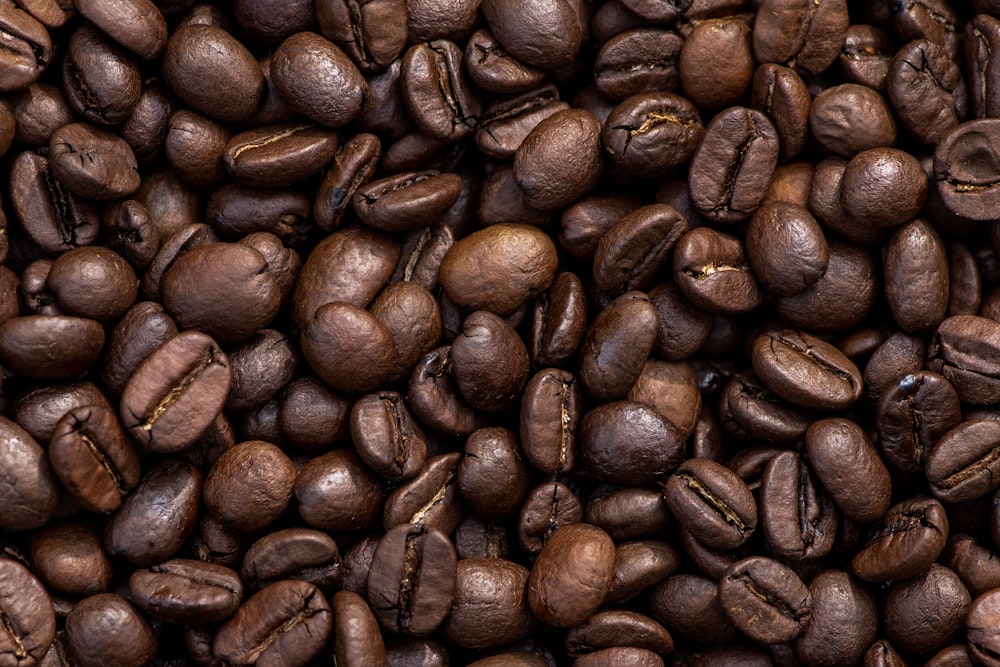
(499, 332)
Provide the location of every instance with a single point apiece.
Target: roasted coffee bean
(505, 123)
(961, 465)
(807, 36)
(29, 49)
(609, 629)
(373, 34)
(616, 346)
(786, 248)
(546, 34)
(927, 91)
(628, 443)
(961, 351)
(933, 20)
(572, 575)
(712, 502)
(547, 507)
(93, 163)
(652, 133)
(849, 467)
(765, 600)
(93, 459)
(100, 80)
(883, 187)
(965, 188)
(780, 93)
(432, 498)
(637, 248)
(50, 347)
(688, 605)
(437, 91)
(289, 622)
(798, 517)
(806, 371)
(733, 165)
(187, 591)
(560, 160)
(176, 393)
(638, 61)
(335, 491)
(279, 155)
(476, 276)
(249, 486)
(412, 580)
(352, 166)
(905, 543)
(69, 558)
(493, 454)
(849, 118)
(142, 329)
(107, 628)
(927, 612)
(405, 202)
(293, 553)
(748, 409)
(490, 607)
(843, 620)
(435, 397)
(386, 436)
(347, 347)
(712, 270)
(92, 282)
(158, 516)
(213, 72)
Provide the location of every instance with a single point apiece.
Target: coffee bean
(848, 465)
(765, 600)
(302, 554)
(712, 502)
(337, 492)
(843, 621)
(288, 621)
(411, 585)
(797, 515)
(638, 61)
(93, 163)
(546, 35)
(107, 628)
(905, 543)
(69, 558)
(176, 393)
(628, 443)
(571, 576)
(806, 370)
(187, 591)
(279, 155)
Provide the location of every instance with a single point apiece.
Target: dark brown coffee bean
(156, 519)
(558, 321)
(547, 507)
(435, 398)
(176, 393)
(142, 329)
(652, 133)
(287, 622)
(352, 166)
(372, 34)
(733, 165)
(437, 92)
(336, 491)
(546, 35)
(279, 155)
(805, 35)
(92, 282)
(883, 187)
(964, 188)
(765, 600)
(106, 628)
(933, 20)
(849, 118)
(29, 51)
(806, 370)
(638, 61)
(916, 249)
(617, 345)
(786, 248)
(347, 347)
(303, 554)
(618, 628)
(432, 498)
(93, 163)
(43, 347)
(712, 270)
(927, 91)
(386, 436)
(493, 454)
(223, 290)
(93, 459)
(29, 489)
(798, 517)
(683, 327)
(495, 70)
(411, 585)
(405, 202)
(904, 544)
(843, 620)
(100, 80)
(490, 607)
(637, 248)
(850, 469)
(69, 558)
(550, 411)
(712, 502)
(780, 93)
(505, 123)
(628, 512)
(961, 350)
(250, 486)
(305, 67)
(187, 591)
(571, 576)
(477, 277)
(748, 409)
(585, 222)
(628, 443)
(975, 564)
(927, 612)
(356, 636)
(688, 605)
(560, 160)
(961, 465)
(135, 24)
